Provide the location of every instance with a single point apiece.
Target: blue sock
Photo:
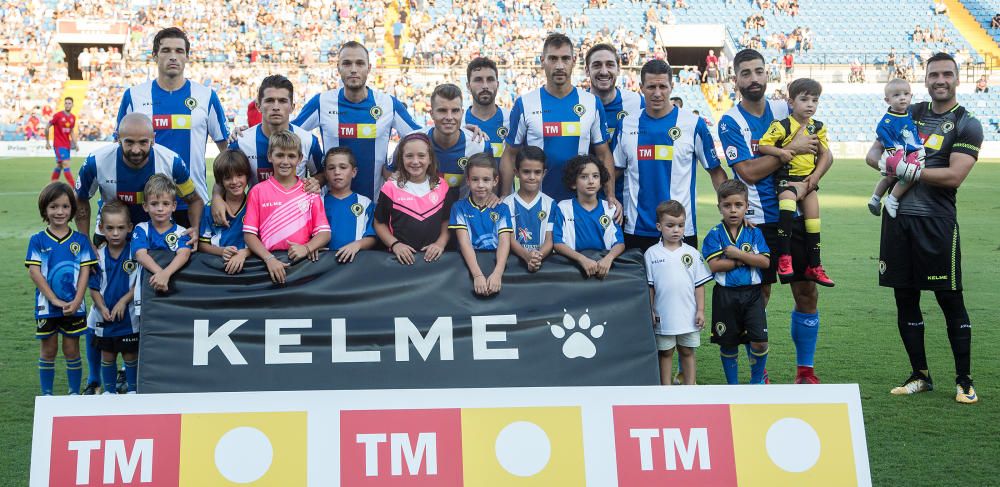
(74, 374)
(46, 375)
(109, 376)
(758, 362)
(730, 364)
(93, 359)
(805, 329)
(131, 373)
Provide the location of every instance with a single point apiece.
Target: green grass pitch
(922, 440)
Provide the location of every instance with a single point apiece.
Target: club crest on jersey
(190, 103)
(171, 240)
(731, 153)
(375, 112)
(605, 221)
(463, 162)
(129, 266)
(494, 216)
(502, 132)
(674, 133)
(356, 209)
(74, 248)
(579, 110)
(746, 247)
(687, 260)
(622, 114)
(542, 215)
(947, 126)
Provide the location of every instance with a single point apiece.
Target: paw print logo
(579, 335)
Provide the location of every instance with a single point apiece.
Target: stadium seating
(852, 117)
(983, 11)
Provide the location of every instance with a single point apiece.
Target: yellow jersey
(781, 132)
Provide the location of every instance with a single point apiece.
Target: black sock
(959, 329)
(812, 246)
(785, 218)
(910, 321)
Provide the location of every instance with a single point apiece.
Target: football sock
(959, 328)
(812, 241)
(109, 376)
(74, 374)
(93, 359)
(805, 329)
(786, 213)
(910, 322)
(69, 176)
(55, 174)
(46, 375)
(757, 366)
(131, 370)
(730, 364)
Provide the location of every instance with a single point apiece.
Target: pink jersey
(278, 215)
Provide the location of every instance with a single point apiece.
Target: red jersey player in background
(254, 116)
(63, 139)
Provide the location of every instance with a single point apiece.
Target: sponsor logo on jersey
(130, 197)
(357, 131)
(172, 122)
(659, 152)
(561, 129)
(264, 172)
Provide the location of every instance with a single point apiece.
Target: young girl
(531, 211)
(478, 227)
(232, 170)
(413, 207)
(279, 215)
(59, 262)
(587, 222)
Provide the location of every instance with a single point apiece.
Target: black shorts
(800, 257)
(181, 218)
(70, 326)
(644, 243)
(738, 315)
(119, 344)
(781, 183)
(918, 252)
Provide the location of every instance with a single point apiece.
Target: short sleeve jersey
(897, 131)
(942, 134)
(583, 229)
(415, 219)
(531, 220)
(183, 120)
(145, 236)
(740, 133)
(279, 215)
(62, 129)
(659, 157)
(484, 225)
(254, 143)
(363, 127)
(59, 259)
(113, 278)
(781, 132)
(496, 128)
(221, 236)
(747, 239)
(563, 127)
(452, 161)
(625, 103)
(105, 170)
(675, 274)
(350, 218)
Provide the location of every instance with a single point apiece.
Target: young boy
(232, 171)
(798, 180)
(280, 215)
(59, 262)
(676, 273)
(159, 233)
(532, 212)
(478, 227)
(348, 213)
(112, 286)
(897, 132)
(736, 254)
(587, 222)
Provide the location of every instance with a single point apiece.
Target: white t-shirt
(675, 274)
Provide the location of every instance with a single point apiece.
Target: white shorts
(668, 342)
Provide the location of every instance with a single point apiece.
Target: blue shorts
(62, 154)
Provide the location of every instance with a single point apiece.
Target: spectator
(789, 62)
(995, 22)
(982, 85)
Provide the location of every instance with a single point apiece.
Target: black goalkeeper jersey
(956, 130)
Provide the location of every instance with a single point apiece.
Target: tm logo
(578, 343)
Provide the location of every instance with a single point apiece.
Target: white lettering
(273, 340)
(673, 446)
(340, 352)
(399, 449)
(645, 437)
(83, 449)
(204, 343)
(440, 332)
(116, 458)
(371, 442)
(481, 338)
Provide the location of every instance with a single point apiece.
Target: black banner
(376, 324)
